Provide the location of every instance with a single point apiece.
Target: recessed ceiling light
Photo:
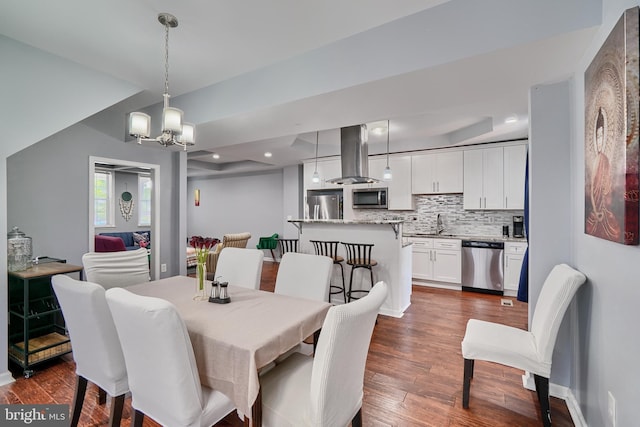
(511, 119)
(216, 156)
(377, 128)
(268, 154)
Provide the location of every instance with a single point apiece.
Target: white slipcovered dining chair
(304, 276)
(96, 347)
(116, 269)
(163, 375)
(325, 390)
(527, 350)
(240, 267)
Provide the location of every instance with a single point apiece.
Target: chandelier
(174, 130)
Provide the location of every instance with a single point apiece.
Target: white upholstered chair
(120, 269)
(163, 375)
(96, 348)
(240, 267)
(325, 390)
(304, 276)
(527, 350)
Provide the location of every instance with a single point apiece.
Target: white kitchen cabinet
(515, 160)
(438, 260)
(447, 261)
(327, 169)
(513, 256)
(422, 264)
(400, 196)
(437, 173)
(483, 179)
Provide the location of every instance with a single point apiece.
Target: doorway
(97, 163)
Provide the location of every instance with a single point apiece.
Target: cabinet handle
(506, 201)
(438, 186)
(506, 262)
(433, 186)
(480, 202)
(435, 256)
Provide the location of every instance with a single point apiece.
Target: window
(144, 197)
(103, 208)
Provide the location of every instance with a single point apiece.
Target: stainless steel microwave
(370, 198)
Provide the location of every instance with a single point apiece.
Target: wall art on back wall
(611, 135)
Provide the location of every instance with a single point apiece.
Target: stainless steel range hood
(354, 156)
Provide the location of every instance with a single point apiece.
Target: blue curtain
(523, 286)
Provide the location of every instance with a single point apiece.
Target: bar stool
(330, 249)
(359, 256)
(287, 245)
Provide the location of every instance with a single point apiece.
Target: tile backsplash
(456, 220)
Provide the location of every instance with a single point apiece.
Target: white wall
(48, 191)
(252, 203)
(550, 198)
(292, 195)
(608, 341)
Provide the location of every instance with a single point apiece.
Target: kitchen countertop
(347, 221)
(467, 237)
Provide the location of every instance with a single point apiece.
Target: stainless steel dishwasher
(482, 267)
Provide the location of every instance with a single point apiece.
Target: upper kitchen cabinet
(400, 197)
(494, 178)
(515, 162)
(437, 173)
(327, 169)
(483, 179)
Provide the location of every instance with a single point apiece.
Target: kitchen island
(393, 256)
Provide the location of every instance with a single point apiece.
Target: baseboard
(6, 378)
(560, 392)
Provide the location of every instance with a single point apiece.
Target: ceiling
(260, 76)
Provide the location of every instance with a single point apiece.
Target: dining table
(233, 342)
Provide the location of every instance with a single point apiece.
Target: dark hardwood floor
(413, 375)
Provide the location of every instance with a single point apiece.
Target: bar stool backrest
(288, 245)
(326, 248)
(358, 254)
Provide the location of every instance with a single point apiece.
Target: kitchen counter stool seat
(330, 249)
(359, 256)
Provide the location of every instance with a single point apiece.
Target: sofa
(128, 238)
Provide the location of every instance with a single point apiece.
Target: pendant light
(174, 130)
(315, 178)
(387, 175)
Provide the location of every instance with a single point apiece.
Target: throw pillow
(141, 239)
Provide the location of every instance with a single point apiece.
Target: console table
(36, 326)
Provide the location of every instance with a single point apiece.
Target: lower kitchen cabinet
(513, 256)
(438, 260)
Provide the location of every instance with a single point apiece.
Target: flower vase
(201, 275)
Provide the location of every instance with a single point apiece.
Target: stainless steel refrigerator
(324, 205)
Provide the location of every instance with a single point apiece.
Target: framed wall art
(611, 135)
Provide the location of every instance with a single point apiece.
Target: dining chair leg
(102, 396)
(357, 419)
(115, 416)
(542, 389)
(78, 400)
(137, 418)
(466, 384)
